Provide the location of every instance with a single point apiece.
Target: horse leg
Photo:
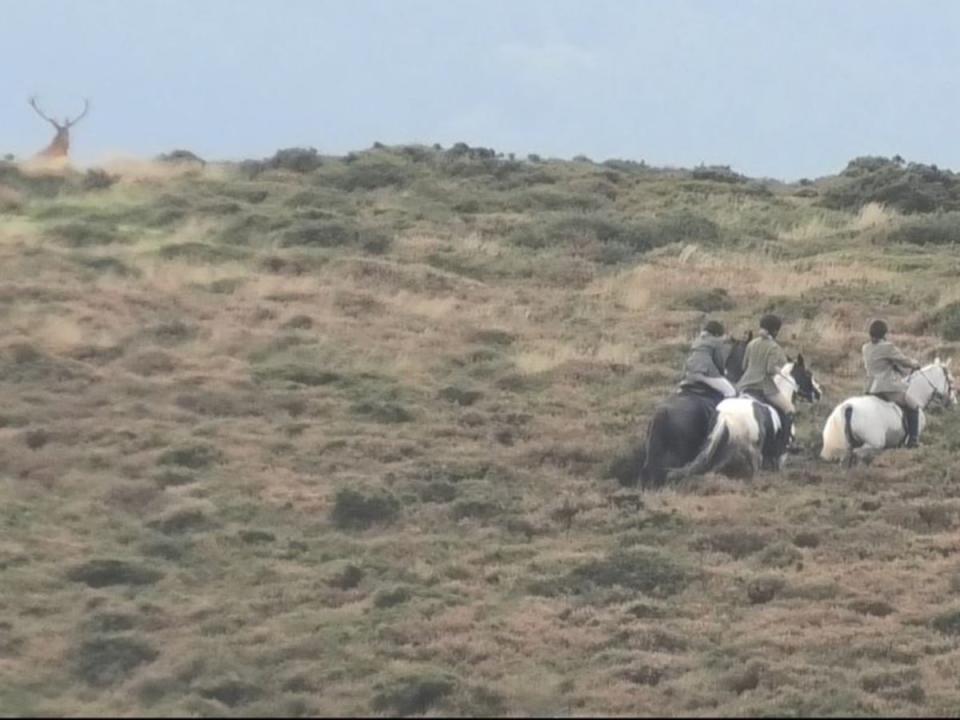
(653, 473)
(851, 459)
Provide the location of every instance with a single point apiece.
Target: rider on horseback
(886, 367)
(706, 362)
(761, 364)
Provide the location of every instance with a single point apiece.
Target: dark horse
(681, 423)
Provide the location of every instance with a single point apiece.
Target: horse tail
(835, 441)
(652, 474)
(852, 440)
(710, 456)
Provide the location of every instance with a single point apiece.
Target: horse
(862, 426)
(744, 432)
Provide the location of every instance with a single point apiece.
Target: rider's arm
(720, 354)
(901, 361)
(776, 360)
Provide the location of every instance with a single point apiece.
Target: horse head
(944, 387)
(805, 385)
(734, 366)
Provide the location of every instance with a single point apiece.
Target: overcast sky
(781, 88)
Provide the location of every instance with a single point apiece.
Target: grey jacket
(761, 363)
(708, 357)
(886, 367)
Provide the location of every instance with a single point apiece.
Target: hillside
(318, 435)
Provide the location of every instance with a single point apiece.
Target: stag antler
(78, 118)
(33, 104)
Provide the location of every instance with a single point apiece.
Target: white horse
(860, 427)
(744, 432)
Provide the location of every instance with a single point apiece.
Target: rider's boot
(913, 426)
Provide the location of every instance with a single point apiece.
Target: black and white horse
(861, 427)
(696, 432)
(744, 435)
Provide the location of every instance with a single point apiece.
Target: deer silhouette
(60, 145)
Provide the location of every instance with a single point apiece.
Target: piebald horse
(861, 427)
(743, 436)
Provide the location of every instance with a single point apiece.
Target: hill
(353, 435)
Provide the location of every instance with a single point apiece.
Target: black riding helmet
(771, 323)
(878, 330)
(715, 328)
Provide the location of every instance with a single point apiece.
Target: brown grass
(201, 434)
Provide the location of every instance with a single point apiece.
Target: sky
(774, 88)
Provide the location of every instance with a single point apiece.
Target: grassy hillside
(353, 435)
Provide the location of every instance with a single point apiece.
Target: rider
(886, 366)
(707, 359)
(762, 362)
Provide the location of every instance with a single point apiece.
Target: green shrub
(183, 520)
(413, 694)
(384, 412)
(947, 623)
(106, 661)
(106, 264)
(948, 322)
(104, 573)
(194, 457)
(355, 510)
(937, 229)
(737, 544)
(369, 174)
(476, 509)
(717, 173)
(300, 160)
(232, 692)
(41, 186)
(347, 578)
(297, 374)
(85, 234)
(392, 597)
(762, 590)
(97, 179)
(641, 570)
(709, 300)
(909, 188)
(637, 235)
(460, 396)
(181, 157)
(173, 332)
(684, 226)
(199, 252)
(331, 234)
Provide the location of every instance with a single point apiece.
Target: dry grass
(874, 216)
(192, 428)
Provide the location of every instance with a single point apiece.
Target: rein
(944, 397)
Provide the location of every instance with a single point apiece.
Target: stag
(60, 146)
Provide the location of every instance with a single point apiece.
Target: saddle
(904, 422)
(784, 436)
(700, 390)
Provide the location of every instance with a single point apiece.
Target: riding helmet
(770, 323)
(878, 330)
(715, 328)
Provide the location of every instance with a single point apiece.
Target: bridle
(793, 382)
(944, 397)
